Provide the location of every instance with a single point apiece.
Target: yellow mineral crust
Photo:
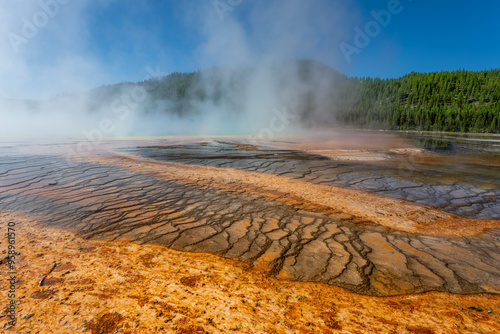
(123, 287)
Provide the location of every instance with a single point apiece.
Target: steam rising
(250, 80)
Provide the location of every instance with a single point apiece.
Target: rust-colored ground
(69, 285)
(107, 287)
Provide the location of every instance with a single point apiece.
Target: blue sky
(88, 43)
(432, 36)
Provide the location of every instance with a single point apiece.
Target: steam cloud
(249, 55)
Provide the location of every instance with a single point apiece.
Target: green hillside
(459, 101)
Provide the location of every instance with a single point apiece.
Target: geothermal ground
(196, 235)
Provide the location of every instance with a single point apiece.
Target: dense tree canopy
(458, 101)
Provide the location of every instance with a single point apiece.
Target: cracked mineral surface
(97, 286)
(378, 221)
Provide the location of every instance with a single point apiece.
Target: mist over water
(250, 82)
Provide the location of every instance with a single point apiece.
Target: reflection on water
(472, 145)
(434, 144)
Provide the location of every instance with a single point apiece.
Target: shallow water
(110, 201)
(464, 185)
(469, 145)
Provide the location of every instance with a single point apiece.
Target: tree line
(458, 101)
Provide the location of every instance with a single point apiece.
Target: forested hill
(459, 101)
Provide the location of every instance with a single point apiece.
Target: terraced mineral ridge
(385, 221)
